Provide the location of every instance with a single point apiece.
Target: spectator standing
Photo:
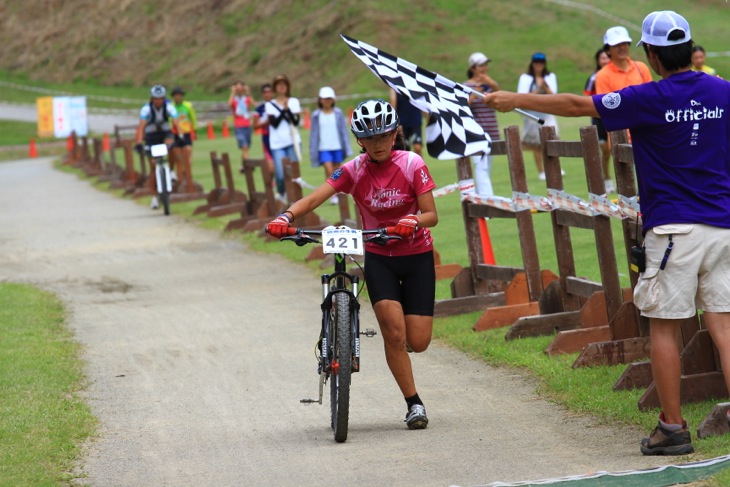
(621, 71)
(698, 61)
(329, 140)
(261, 123)
(480, 80)
(601, 59)
(187, 122)
(539, 80)
(411, 121)
(241, 104)
(284, 112)
(680, 135)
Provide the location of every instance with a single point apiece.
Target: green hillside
(116, 47)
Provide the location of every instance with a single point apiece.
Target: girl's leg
(392, 323)
(398, 331)
(605, 159)
(538, 160)
(483, 174)
(419, 330)
(329, 168)
(278, 156)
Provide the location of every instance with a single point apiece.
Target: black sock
(413, 400)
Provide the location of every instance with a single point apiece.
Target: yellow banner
(44, 107)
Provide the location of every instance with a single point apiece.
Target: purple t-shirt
(680, 131)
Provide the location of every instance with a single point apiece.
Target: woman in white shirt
(538, 79)
(329, 140)
(284, 113)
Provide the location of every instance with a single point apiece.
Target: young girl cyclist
(390, 188)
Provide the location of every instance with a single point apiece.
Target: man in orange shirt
(620, 72)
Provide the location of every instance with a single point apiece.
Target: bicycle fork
(163, 171)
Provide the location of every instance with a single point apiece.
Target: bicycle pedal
(308, 401)
(369, 332)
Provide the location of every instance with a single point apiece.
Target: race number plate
(158, 150)
(342, 240)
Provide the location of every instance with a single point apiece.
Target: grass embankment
(44, 421)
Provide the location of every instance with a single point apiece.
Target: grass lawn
(20, 133)
(44, 421)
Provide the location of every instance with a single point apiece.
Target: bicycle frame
(162, 168)
(163, 175)
(339, 343)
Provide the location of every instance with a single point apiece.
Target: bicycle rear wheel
(164, 194)
(342, 371)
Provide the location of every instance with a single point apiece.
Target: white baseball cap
(616, 35)
(658, 25)
(477, 59)
(327, 92)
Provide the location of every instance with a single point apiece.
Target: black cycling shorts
(184, 140)
(154, 138)
(601, 129)
(408, 279)
(413, 136)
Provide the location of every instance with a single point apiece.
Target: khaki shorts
(696, 275)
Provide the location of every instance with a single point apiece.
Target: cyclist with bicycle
(390, 187)
(156, 120)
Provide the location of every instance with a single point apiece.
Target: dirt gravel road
(198, 351)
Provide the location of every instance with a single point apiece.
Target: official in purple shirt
(680, 131)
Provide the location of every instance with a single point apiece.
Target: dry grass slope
(205, 44)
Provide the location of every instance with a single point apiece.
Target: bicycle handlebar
(301, 236)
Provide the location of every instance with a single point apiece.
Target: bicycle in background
(163, 176)
(338, 346)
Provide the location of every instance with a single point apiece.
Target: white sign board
(69, 115)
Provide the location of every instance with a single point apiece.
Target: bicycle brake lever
(383, 239)
(301, 240)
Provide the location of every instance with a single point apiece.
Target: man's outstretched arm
(563, 104)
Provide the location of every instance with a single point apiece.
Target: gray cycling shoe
(416, 417)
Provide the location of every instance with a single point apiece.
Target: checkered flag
(451, 131)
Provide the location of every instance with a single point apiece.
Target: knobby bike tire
(340, 381)
(165, 195)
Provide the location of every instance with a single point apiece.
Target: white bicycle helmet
(158, 91)
(373, 117)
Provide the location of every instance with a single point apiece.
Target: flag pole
(518, 110)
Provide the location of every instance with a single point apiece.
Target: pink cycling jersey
(384, 193)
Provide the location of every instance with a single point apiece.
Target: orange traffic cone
(106, 147)
(224, 130)
(307, 119)
(193, 135)
(487, 252)
(32, 150)
(69, 144)
(211, 134)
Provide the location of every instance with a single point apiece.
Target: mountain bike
(338, 347)
(163, 175)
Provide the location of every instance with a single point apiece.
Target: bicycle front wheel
(342, 369)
